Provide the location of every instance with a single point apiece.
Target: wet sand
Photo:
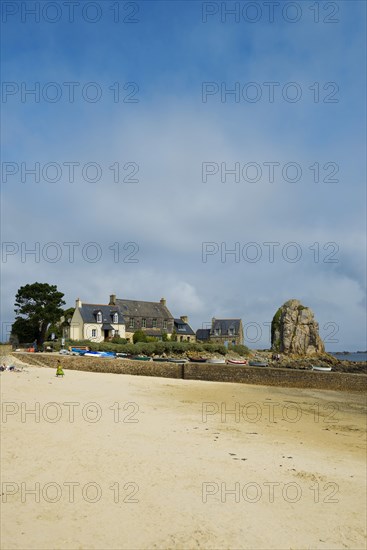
(121, 462)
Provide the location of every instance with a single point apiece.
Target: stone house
(96, 322)
(183, 330)
(223, 331)
(153, 318)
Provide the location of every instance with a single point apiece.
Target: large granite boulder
(294, 330)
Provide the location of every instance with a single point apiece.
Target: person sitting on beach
(59, 371)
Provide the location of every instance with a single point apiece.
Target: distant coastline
(350, 355)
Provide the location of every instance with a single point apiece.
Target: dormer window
(115, 318)
(231, 331)
(99, 317)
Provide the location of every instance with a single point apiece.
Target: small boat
(161, 359)
(321, 369)
(121, 354)
(216, 361)
(140, 358)
(174, 360)
(257, 364)
(79, 353)
(237, 362)
(197, 359)
(99, 354)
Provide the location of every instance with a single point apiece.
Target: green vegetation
(158, 348)
(37, 307)
(240, 349)
(275, 326)
(139, 336)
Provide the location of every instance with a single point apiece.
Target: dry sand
(286, 471)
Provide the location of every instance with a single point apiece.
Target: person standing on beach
(59, 371)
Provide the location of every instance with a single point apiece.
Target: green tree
(24, 330)
(37, 306)
(139, 336)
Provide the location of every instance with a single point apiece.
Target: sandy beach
(109, 461)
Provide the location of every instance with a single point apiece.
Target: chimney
(112, 300)
(163, 301)
(78, 303)
(184, 318)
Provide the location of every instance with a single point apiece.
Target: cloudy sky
(209, 152)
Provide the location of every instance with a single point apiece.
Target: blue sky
(164, 60)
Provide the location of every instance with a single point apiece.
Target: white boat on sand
(321, 369)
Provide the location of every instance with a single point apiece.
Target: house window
(99, 317)
(115, 318)
(143, 323)
(132, 323)
(231, 331)
(217, 332)
(94, 332)
(154, 323)
(164, 324)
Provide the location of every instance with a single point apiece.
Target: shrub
(148, 348)
(118, 340)
(240, 349)
(139, 336)
(215, 348)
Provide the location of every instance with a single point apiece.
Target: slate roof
(138, 308)
(89, 313)
(225, 326)
(183, 328)
(203, 334)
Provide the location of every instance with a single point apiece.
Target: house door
(106, 334)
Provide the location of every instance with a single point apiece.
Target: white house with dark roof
(96, 322)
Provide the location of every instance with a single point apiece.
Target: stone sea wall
(217, 373)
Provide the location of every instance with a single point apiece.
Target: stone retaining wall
(102, 364)
(289, 378)
(216, 373)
